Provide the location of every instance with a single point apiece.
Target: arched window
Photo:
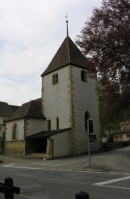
(49, 125)
(57, 123)
(86, 117)
(15, 132)
(84, 76)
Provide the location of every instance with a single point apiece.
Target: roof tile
(6, 110)
(31, 109)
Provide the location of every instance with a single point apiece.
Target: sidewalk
(70, 163)
(118, 159)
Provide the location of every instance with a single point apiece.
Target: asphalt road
(63, 178)
(48, 184)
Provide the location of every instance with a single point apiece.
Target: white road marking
(113, 180)
(34, 168)
(20, 167)
(113, 173)
(56, 165)
(41, 164)
(105, 183)
(116, 187)
(8, 165)
(56, 169)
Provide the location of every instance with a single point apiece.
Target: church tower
(69, 97)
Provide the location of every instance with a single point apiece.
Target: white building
(54, 125)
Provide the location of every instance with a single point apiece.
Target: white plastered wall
(56, 99)
(35, 126)
(61, 144)
(20, 126)
(85, 99)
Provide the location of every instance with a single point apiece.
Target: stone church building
(54, 125)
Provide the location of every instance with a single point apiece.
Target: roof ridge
(29, 105)
(68, 46)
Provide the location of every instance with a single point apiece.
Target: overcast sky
(31, 31)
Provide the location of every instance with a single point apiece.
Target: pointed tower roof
(68, 53)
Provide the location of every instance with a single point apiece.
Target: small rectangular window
(57, 123)
(84, 76)
(49, 125)
(55, 79)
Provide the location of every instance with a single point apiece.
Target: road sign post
(89, 153)
(89, 124)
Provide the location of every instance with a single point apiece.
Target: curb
(96, 169)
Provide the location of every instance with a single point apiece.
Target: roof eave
(76, 65)
(49, 133)
(26, 117)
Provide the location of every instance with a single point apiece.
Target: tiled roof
(30, 109)
(6, 110)
(68, 53)
(15, 108)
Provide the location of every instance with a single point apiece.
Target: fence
(8, 189)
